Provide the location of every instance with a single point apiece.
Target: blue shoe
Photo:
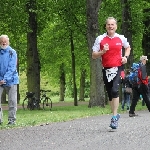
(114, 123)
(118, 116)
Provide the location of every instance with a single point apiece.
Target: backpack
(135, 76)
(135, 73)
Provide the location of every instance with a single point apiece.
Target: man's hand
(106, 47)
(124, 60)
(2, 82)
(101, 52)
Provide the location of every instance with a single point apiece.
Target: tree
(33, 62)
(146, 36)
(73, 69)
(82, 85)
(62, 82)
(127, 26)
(97, 95)
(67, 43)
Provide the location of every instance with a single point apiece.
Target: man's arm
(143, 72)
(127, 53)
(97, 54)
(11, 67)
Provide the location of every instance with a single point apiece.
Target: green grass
(58, 114)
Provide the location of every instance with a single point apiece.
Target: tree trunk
(97, 95)
(62, 82)
(82, 85)
(73, 70)
(127, 32)
(33, 62)
(127, 27)
(146, 38)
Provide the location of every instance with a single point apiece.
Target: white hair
(109, 18)
(3, 36)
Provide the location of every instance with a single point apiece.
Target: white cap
(143, 58)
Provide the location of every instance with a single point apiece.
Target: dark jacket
(126, 82)
(143, 75)
(149, 87)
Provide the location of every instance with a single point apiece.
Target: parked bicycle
(30, 102)
(47, 102)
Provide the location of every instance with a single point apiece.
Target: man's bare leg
(110, 103)
(114, 105)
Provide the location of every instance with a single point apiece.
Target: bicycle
(47, 102)
(31, 100)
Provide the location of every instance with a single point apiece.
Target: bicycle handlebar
(29, 94)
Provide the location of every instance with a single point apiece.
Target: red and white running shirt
(112, 58)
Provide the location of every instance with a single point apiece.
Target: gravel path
(90, 133)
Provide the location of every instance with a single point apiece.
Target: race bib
(111, 73)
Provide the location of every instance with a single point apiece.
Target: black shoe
(133, 115)
(11, 123)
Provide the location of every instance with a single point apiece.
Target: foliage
(114, 8)
(58, 44)
(55, 21)
(109, 8)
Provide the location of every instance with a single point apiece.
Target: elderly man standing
(8, 78)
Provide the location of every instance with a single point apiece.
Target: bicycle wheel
(47, 103)
(23, 104)
(30, 105)
(37, 104)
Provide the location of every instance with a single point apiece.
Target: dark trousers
(112, 87)
(137, 90)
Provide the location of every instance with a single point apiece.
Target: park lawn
(58, 114)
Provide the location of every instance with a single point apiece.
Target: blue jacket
(8, 66)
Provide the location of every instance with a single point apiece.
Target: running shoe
(114, 123)
(118, 116)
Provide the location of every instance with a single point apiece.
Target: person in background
(108, 47)
(141, 98)
(141, 88)
(126, 95)
(8, 78)
(149, 87)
